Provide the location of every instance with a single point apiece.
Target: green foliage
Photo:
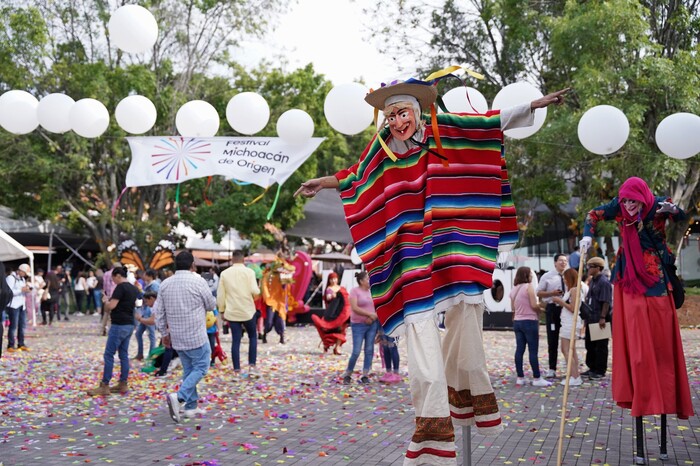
(302, 89)
(640, 56)
(63, 46)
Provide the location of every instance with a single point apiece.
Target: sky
(329, 34)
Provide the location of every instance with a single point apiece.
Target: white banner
(174, 159)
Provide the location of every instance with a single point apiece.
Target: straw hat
(423, 91)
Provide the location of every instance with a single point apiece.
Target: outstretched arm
(553, 98)
(311, 187)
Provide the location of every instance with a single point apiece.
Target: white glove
(669, 207)
(502, 259)
(584, 245)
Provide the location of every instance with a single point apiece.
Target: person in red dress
(334, 322)
(649, 374)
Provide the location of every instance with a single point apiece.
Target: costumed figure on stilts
(429, 209)
(649, 374)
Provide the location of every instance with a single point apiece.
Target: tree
(63, 46)
(639, 56)
(302, 89)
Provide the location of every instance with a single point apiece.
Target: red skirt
(649, 375)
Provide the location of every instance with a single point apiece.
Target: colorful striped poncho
(429, 235)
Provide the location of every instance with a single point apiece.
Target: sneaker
(521, 381)
(174, 406)
(190, 413)
(364, 379)
(347, 380)
(387, 378)
(586, 374)
(79, 314)
(573, 381)
(595, 375)
(550, 373)
(396, 377)
(541, 382)
(23, 348)
(11, 349)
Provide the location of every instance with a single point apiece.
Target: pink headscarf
(636, 279)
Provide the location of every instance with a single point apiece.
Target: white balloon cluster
(604, 129)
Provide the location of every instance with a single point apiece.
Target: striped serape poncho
(430, 234)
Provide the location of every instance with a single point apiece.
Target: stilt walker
(649, 374)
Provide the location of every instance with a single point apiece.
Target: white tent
(11, 250)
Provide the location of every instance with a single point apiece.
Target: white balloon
(197, 118)
(346, 110)
(133, 29)
(678, 135)
(54, 112)
(456, 100)
(295, 127)
(355, 257)
(516, 94)
(136, 114)
(89, 118)
(18, 112)
(603, 129)
(247, 113)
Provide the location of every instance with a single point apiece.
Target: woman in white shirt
(567, 321)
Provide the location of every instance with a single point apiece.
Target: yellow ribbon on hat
(451, 69)
(388, 151)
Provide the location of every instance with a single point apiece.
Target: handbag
(585, 311)
(670, 276)
(46, 295)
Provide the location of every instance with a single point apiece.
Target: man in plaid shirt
(180, 312)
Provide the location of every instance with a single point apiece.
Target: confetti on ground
(295, 411)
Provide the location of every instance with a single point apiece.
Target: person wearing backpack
(17, 311)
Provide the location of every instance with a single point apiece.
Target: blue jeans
(18, 320)
(117, 340)
(526, 333)
(362, 333)
(195, 364)
(139, 338)
(237, 336)
(97, 298)
(391, 357)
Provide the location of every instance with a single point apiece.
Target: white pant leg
(433, 440)
(470, 393)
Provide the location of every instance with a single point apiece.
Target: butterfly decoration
(163, 255)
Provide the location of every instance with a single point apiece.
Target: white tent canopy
(10, 250)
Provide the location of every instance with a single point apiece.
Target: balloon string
(116, 203)
(274, 203)
(177, 199)
(206, 188)
(256, 199)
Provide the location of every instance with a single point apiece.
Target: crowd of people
(430, 246)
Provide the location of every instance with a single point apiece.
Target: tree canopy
(640, 56)
(63, 46)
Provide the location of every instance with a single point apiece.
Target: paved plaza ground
(296, 413)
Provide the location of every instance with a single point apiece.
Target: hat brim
(424, 93)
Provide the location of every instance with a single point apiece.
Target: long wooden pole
(572, 348)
